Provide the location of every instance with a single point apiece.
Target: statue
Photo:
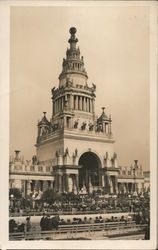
(76, 124)
(57, 154)
(90, 126)
(107, 155)
(83, 125)
(34, 159)
(76, 152)
(53, 89)
(43, 131)
(94, 87)
(66, 151)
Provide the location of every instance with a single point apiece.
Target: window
(68, 122)
(129, 172)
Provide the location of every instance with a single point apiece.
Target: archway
(89, 165)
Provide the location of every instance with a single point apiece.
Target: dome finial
(103, 109)
(72, 30)
(73, 40)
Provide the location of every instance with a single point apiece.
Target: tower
(78, 146)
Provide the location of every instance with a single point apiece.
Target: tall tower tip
(72, 30)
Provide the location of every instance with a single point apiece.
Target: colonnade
(66, 182)
(31, 186)
(128, 187)
(73, 66)
(73, 102)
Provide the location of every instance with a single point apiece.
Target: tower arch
(89, 171)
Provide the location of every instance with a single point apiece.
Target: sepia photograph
(79, 123)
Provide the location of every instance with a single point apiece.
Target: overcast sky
(115, 44)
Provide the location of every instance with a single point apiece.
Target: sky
(115, 44)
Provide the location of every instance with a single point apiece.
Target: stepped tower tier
(73, 66)
(74, 99)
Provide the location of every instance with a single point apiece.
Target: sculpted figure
(94, 87)
(76, 124)
(66, 151)
(76, 152)
(83, 125)
(53, 89)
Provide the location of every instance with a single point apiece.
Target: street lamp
(12, 200)
(33, 201)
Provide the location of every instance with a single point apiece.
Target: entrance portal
(89, 164)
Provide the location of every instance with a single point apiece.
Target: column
(104, 127)
(76, 102)
(79, 102)
(45, 186)
(57, 106)
(53, 107)
(28, 187)
(82, 98)
(66, 183)
(109, 128)
(103, 181)
(116, 185)
(84, 103)
(111, 187)
(62, 103)
(37, 185)
(87, 104)
(60, 183)
(91, 105)
(71, 101)
(77, 182)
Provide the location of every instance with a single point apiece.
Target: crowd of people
(138, 207)
(80, 205)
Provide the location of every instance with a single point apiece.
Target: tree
(16, 192)
(50, 196)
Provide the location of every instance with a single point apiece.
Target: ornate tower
(77, 145)
(73, 99)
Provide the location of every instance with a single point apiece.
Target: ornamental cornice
(130, 177)
(68, 72)
(74, 90)
(31, 173)
(87, 137)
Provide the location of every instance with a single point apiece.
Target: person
(48, 223)
(100, 219)
(43, 222)
(12, 225)
(55, 222)
(28, 224)
(21, 228)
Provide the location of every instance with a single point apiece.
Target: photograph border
(4, 128)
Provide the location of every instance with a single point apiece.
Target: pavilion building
(75, 148)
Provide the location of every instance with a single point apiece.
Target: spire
(73, 40)
(103, 116)
(44, 120)
(73, 63)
